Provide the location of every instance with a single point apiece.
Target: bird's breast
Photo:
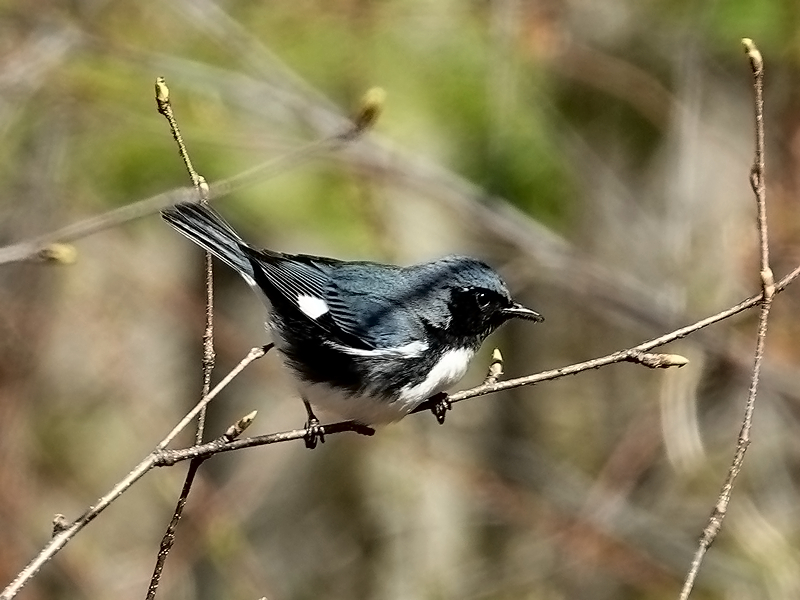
(448, 370)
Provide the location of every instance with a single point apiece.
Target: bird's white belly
(366, 409)
(449, 370)
(371, 410)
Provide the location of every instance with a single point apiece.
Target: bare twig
(165, 108)
(168, 540)
(31, 249)
(63, 536)
(714, 524)
(170, 457)
(167, 458)
(254, 354)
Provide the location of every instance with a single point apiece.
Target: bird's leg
(315, 431)
(441, 404)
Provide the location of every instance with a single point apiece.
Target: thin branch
(167, 458)
(638, 354)
(168, 540)
(164, 106)
(714, 524)
(62, 537)
(33, 248)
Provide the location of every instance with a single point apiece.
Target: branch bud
(162, 94)
(496, 368)
(370, 108)
(235, 430)
(756, 60)
(659, 361)
(60, 523)
(59, 253)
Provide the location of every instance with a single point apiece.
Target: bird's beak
(517, 311)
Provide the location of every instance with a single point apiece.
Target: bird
(365, 341)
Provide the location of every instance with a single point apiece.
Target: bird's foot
(314, 432)
(441, 404)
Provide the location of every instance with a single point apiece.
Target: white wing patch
(450, 369)
(312, 306)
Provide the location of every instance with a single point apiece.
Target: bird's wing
(304, 284)
(366, 301)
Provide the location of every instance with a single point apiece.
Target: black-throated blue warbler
(366, 341)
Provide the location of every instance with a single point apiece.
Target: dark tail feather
(208, 230)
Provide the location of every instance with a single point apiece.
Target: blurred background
(597, 153)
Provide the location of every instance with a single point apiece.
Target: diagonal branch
(638, 354)
(68, 531)
(38, 247)
(720, 509)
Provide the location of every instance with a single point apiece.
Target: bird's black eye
(482, 300)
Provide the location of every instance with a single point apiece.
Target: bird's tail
(207, 229)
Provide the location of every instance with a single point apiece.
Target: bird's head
(479, 301)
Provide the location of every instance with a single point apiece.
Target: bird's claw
(314, 432)
(440, 407)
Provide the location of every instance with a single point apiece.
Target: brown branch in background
(168, 540)
(39, 248)
(67, 531)
(768, 287)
